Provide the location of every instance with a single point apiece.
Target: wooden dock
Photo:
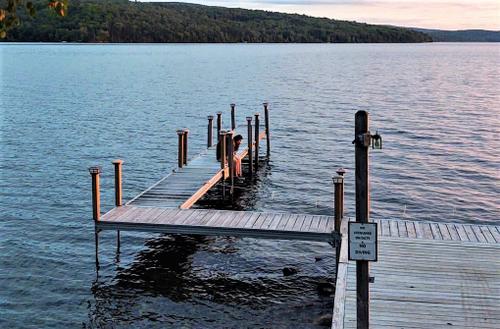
(220, 222)
(428, 275)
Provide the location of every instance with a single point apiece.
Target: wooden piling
(96, 192)
(268, 132)
(219, 124)
(210, 131)
(256, 141)
(250, 146)
(118, 181)
(223, 157)
(230, 157)
(233, 116)
(185, 146)
(362, 143)
(338, 183)
(180, 150)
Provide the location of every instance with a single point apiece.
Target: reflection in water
(200, 282)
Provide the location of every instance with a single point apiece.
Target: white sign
(363, 241)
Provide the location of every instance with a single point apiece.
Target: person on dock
(237, 160)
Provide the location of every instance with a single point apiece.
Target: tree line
(125, 21)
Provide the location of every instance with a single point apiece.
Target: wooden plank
(453, 232)
(444, 231)
(495, 233)
(386, 228)
(427, 231)
(461, 232)
(410, 227)
(402, 231)
(479, 234)
(470, 233)
(435, 231)
(393, 226)
(419, 230)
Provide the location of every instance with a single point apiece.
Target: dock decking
(428, 275)
(220, 222)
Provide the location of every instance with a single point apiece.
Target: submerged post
(185, 147)
(268, 132)
(256, 141)
(250, 146)
(233, 117)
(210, 131)
(180, 151)
(219, 124)
(96, 193)
(230, 157)
(362, 142)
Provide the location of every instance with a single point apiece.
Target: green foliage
(124, 21)
(9, 12)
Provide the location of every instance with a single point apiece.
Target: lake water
(67, 107)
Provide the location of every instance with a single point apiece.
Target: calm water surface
(66, 107)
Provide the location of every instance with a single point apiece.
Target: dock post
(256, 141)
(250, 146)
(96, 193)
(219, 124)
(233, 116)
(230, 158)
(210, 131)
(362, 143)
(268, 132)
(118, 193)
(223, 157)
(180, 151)
(338, 183)
(185, 147)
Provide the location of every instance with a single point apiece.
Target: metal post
(219, 124)
(210, 131)
(233, 118)
(256, 141)
(362, 142)
(230, 158)
(268, 132)
(180, 151)
(96, 193)
(250, 146)
(185, 146)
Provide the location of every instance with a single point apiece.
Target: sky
(440, 14)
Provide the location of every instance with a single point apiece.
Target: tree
(9, 14)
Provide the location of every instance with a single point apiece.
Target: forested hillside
(124, 21)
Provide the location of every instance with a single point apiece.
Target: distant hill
(124, 21)
(462, 35)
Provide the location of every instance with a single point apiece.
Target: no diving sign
(363, 241)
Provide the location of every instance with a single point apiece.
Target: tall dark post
(362, 142)
(219, 124)
(233, 117)
(268, 132)
(338, 183)
(180, 151)
(230, 157)
(223, 157)
(118, 193)
(96, 192)
(210, 131)
(256, 141)
(185, 147)
(250, 146)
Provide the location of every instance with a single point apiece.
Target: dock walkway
(428, 275)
